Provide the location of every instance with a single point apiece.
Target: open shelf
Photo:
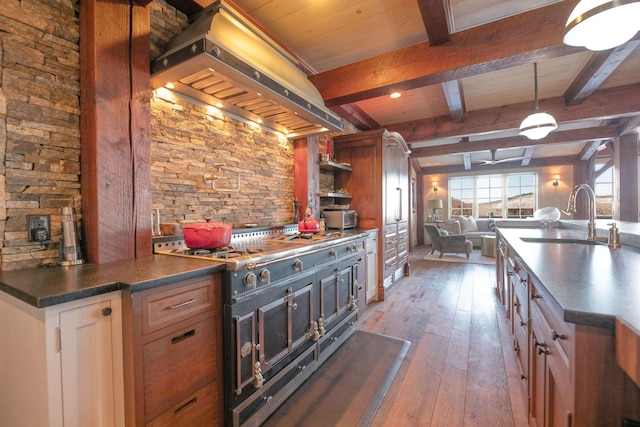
(332, 166)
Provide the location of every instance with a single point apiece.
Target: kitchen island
(564, 298)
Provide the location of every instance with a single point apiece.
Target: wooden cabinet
(519, 289)
(177, 347)
(550, 390)
(62, 365)
(569, 370)
(379, 185)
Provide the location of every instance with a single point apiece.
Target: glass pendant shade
(537, 125)
(601, 24)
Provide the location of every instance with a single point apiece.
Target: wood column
(584, 173)
(115, 130)
(627, 162)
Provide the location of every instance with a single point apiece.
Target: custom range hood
(226, 62)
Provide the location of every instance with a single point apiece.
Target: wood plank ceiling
(465, 72)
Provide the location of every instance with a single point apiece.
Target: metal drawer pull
(557, 336)
(535, 296)
(182, 304)
(183, 337)
(186, 405)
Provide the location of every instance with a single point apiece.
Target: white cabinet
(61, 365)
(371, 261)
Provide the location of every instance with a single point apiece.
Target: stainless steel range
(290, 300)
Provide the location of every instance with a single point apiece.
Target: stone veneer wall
(40, 138)
(39, 123)
(190, 140)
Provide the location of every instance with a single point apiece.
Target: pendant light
(602, 24)
(538, 124)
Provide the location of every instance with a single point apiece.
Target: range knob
(265, 276)
(250, 280)
(297, 265)
(333, 253)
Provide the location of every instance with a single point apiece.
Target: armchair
(457, 243)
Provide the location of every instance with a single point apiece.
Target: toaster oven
(340, 219)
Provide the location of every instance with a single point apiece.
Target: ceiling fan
(493, 160)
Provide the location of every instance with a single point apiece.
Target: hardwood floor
(460, 369)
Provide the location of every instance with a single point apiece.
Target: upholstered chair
(456, 243)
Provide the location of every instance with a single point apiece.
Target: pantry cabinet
(62, 365)
(379, 186)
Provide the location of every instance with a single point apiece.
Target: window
(487, 195)
(461, 196)
(604, 191)
(521, 192)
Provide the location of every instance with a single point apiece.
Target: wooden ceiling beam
(356, 116)
(189, 7)
(455, 98)
(517, 40)
(434, 18)
(629, 125)
(528, 153)
(621, 101)
(589, 149)
(599, 67)
(466, 159)
(575, 135)
(535, 163)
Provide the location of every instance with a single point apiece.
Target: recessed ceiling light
(169, 86)
(395, 95)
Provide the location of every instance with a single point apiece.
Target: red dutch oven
(207, 235)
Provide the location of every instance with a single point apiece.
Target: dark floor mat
(348, 388)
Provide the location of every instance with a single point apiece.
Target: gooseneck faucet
(571, 208)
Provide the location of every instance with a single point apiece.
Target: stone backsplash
(39, 123)
(255, 168)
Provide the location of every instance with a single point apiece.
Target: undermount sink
(555, 240)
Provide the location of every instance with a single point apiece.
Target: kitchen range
(290, 300)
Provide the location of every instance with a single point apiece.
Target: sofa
(472, 228)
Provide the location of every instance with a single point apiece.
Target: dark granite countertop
(47, 286)
(593, 285)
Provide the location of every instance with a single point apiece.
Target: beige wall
(548, 195)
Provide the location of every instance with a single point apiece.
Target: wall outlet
(39, 228)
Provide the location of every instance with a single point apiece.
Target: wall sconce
(556, 177)
(435, 185)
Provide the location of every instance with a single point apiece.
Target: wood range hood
(226, 62)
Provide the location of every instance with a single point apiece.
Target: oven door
(265, 330)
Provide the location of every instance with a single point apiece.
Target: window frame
(475, 210)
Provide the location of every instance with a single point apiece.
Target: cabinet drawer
(186, 299)
(178, 364)
(520, 298)
(559, 332)
(197, 410)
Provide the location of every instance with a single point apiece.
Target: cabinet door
(372, 268)
(284, 324)
(86, 351)
(336, 295)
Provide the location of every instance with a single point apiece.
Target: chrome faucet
(571, 208)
